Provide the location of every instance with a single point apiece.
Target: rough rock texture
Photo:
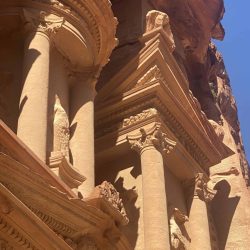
(194, 23)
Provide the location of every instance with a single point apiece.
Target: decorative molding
(5, 245)
(139, 117)
(42, 21)
(16, 237)
(65, 170)
(156, 20)
(107, 191)
(152, 137)
(55, 225)
(176, 221)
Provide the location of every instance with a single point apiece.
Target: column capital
(199, 187)
(153, 137)
(41, 21)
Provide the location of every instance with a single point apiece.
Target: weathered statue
(177, 219)
(61, 129)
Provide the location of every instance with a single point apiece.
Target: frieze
(139, 117)
(103, 126)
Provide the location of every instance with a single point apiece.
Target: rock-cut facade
(118, 128)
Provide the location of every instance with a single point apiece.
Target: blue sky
(236, 53)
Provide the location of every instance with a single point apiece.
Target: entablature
(153, 80)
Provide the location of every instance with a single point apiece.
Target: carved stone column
(82, 131)
(198, 217)
(151, 144)
(32, 122)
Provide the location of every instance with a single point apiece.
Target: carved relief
(153, 74)
(42, 21)
(4, 245)
(153, 137)
(107, 191)
(139, 117)
(61, 129)
(176, 221)
(201, 188)
(16, 237)
(158, 20)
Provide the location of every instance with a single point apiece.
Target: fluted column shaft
(151, 145)
(32, 122)
(82, 133)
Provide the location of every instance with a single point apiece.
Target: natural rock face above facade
(129, 145)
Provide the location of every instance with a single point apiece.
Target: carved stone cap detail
(157, 20)
(107, 191)
(201, 188)
(151, 137)
(42, 21)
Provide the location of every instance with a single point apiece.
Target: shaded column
(199, 195)
(82, 131)
(32, 122)
(151, 144)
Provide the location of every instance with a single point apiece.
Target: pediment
(153, 64)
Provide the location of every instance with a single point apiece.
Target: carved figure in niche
(61, 129)
(176, 221)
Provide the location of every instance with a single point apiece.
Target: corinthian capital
(151, 137)
(42, 21)
(201, 188)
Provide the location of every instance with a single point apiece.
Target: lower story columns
(199, 231)
(150, 145)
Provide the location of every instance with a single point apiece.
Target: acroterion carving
(156, 20)
(107, 191)
(201, 188)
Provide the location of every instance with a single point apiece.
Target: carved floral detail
(176, 221)
(139, 117)
(107, 191)
(153, 137)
